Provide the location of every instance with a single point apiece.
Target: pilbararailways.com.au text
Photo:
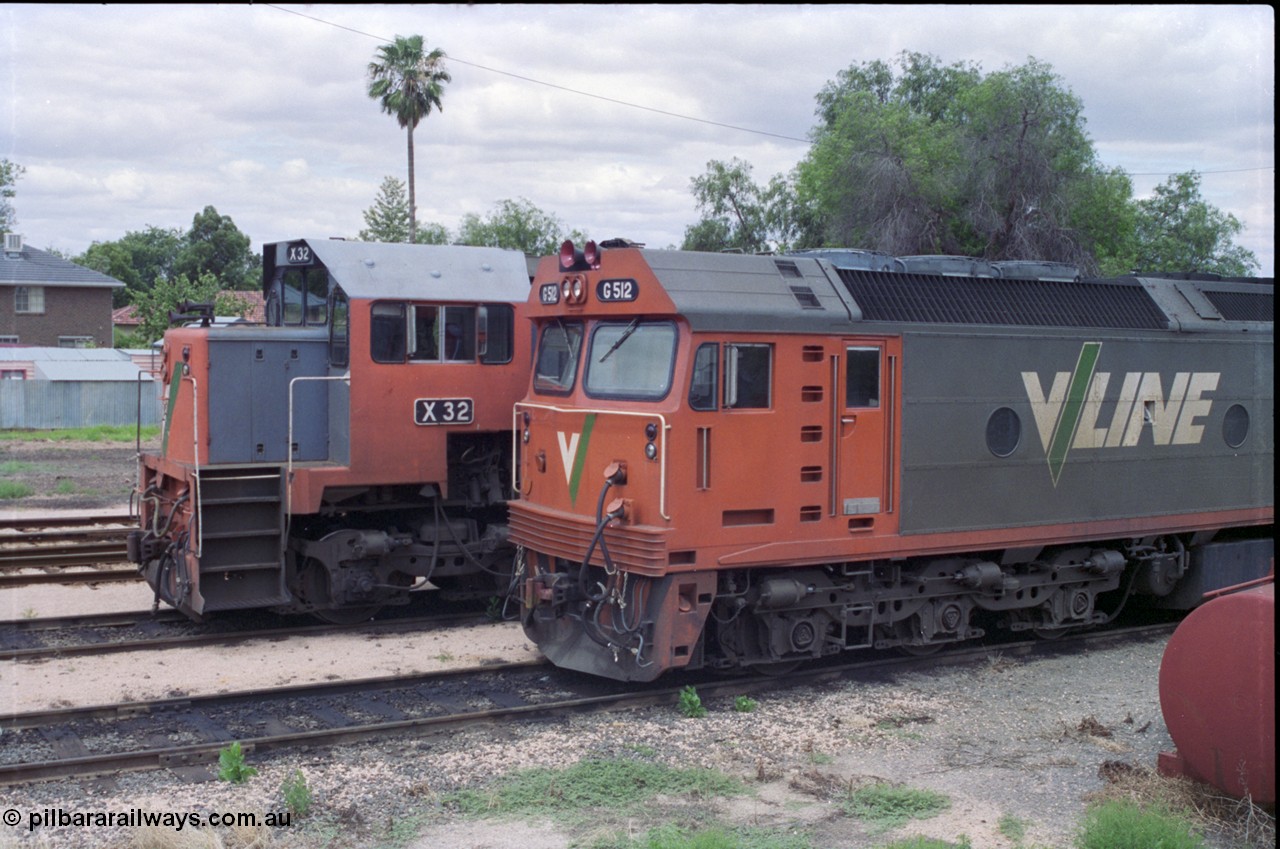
(137, 818)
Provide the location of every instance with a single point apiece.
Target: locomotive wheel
(777, 669)
(313, 586)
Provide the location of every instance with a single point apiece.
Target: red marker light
(567, 255)
(591, 253)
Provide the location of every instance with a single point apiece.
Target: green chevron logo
(573, 454)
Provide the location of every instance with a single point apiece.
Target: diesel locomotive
(728, 461)
(352, 449)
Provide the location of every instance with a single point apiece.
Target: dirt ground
(67, 475)
(1028, 743)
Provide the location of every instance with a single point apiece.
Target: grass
(97, 433)
(615, 785)
(671, 836)
(14, 489)
(885, 806)
(1120, 824)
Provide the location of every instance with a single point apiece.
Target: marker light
(591, 254)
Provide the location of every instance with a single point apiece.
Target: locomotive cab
(352, 449)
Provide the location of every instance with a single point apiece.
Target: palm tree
(409, 83)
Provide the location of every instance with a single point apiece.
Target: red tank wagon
(1218, 693)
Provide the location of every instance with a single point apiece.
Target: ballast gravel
(1005, 739)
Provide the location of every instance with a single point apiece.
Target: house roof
(33, 267)
(73, 363)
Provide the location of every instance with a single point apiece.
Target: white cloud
(127, 116)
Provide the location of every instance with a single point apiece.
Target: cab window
(630, 359)
(557, 363)
(299, 296)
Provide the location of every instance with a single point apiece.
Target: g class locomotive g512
(355, 447)
(753, 461)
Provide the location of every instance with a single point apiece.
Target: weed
(231, 765)
(744, 704)
(1123, 824)
(444, 657)
(690, 703)
(608, 784)
(65, 487)
(885, 806)
(1012, 827)
(14, 489)
(30, 613)
(297, 795)
(14, 467)
(671, 836)
(918, 842)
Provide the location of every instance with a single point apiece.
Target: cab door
(866, 376)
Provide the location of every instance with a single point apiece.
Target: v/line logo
(1067, 416)
(573, 453)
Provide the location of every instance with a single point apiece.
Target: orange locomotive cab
(755, 461)
(351, 450)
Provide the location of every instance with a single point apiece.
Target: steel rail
(230, 638)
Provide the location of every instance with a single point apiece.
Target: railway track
(24, 640)
(187, 733)
(67, 545)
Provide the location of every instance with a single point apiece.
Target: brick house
(47, 301)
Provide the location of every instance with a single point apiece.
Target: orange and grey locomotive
(753, 461)
(355, 447)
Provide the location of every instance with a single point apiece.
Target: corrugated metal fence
(50, 404)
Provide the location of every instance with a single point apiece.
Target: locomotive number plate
(617, 290)
(442, 411)
(549, 293)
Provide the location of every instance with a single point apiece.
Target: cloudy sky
(131, 116)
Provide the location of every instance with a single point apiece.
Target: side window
(495, 333)
(706, 372)
(748, 375)
(339, 330)
(425, 344)
(862, 377)
(300, 296)
(460, 334)
(387, 333)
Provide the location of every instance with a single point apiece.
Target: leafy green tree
(516, 225)
(9, 174)
(138, 259)
(1177, 230)
(741, 215)
(154, 305)
(932, 158)
(388, 219)
(408, 82)
(214, 245)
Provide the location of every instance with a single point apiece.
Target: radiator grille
(1243, 306)
(934, 299)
